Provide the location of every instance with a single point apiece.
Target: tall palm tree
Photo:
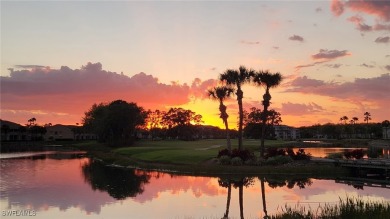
(237, 78)
(267, 80)
(221, 93)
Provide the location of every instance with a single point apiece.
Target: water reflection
(77, 187)
(119, 183)
(239, 183)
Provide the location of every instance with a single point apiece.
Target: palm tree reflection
(273, 182)
(239, 183)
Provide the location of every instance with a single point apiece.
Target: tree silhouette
(31, 122)
(115, 123)
(367, 117)
(237, 78)
(221, 93)
(226, 183)
(119, 183)
(179, 123)
(344, 119)
(263, 197)
(267, 80)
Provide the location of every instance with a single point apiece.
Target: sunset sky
(58, 58)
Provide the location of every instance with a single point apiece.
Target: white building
(386, 132)
(286, 132)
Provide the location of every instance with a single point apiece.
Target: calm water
(69, 185)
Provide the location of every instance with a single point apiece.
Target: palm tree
(344, 118)
(267, 80)
(367, 117)
(224, 182)
(221, 93)
(237, 78)
(263, 197)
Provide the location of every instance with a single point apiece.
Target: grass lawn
(185, 152)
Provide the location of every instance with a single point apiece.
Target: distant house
(58, 132)
(286, 132)
(66, 132)
(386, 132)
(11, 131)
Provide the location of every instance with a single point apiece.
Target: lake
(71, 185)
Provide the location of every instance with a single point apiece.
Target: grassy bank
(198, 157)
(345, 209)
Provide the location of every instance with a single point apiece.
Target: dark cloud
(334, 65)
(367, 66)
(296, 38)
(363, 27)
(299, 109)
(310, 65)
(387, 67)
(361, 89)
(319, 9)
(250, 42)
(382, 39)
(275, 47)
(330, 54)
(29, 66)
(379, 9)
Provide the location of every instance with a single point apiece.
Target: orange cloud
(71, 92)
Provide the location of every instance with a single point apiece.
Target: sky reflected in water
(73, 186)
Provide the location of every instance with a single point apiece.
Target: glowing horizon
(57, 60)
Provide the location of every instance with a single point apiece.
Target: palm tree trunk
(241, 199)
(226, 215)
(241, 117)
(266, 99)
(229, 145)
(263, 198)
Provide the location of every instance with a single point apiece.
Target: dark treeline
(343, 131)
(120, 123)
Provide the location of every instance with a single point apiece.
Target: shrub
(243, 154)
(277, 160)
(374, 152)
(223, 152)
(272, 152)
(357, 154)
(335, 155)
(299, 155)
(236, 161)
(224, 160)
